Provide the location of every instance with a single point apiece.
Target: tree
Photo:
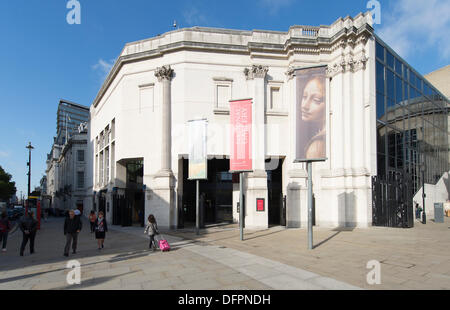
(7, 188)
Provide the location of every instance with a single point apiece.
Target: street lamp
(29, 147)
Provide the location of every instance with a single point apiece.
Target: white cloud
(4, 154)
(275, 5)
(193, 17)
(103, 67)
(412, 26)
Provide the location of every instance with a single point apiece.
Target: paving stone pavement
(410, 259)
(126, 263)
(276, 258)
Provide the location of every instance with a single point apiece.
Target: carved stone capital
(256, 71)
(363, 39)
(164, 73)
(290, 73)
(347, 64)
(360, 63)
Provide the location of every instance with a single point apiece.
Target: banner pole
(241, 206)
(197, 220)
(310, 228)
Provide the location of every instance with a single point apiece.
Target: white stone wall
(133, 96)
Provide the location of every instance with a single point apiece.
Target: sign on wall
(260, 205)
(198, 159)
(241, 135)
(310, 114)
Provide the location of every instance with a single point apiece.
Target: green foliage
(7, 188)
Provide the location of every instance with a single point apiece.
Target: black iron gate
(392, 201)
(123, 207)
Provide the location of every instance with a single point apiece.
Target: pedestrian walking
(101, 228)
(418, 211)
(5, 227)
(72, 226)
(152, 230)
(28, 226)
(92, 218)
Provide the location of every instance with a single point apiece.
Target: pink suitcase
(164, 245)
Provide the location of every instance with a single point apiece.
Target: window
(398, 90)
(380, 77)
(107, 165)
(80, 155)
(106, 136)
(113, 129)
(390, 84)
(398, 66)
(380, 107)
(96, 169)
(390, 60)
(380, 52)
(113, 147)
(101, 169)
(80, 179)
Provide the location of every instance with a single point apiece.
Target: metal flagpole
(197, 209)
(241, 206)
(310, 228)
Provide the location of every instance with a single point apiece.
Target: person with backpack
(5, 227)
(92, 218)
(28, 226)
(101, 228)
(151, 229)
(72, 226)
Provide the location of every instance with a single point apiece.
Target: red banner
(241, 135)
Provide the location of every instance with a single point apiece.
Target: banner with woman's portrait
(310, 115)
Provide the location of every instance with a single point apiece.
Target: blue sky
(43, 58)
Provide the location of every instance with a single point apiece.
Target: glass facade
(412, 116)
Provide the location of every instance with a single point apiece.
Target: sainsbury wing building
(337, 93)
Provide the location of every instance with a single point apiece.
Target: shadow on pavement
(92, 282)
(326, 240)
(22, 277)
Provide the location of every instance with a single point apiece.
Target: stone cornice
(262, 44)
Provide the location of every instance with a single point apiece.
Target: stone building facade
(138, 130)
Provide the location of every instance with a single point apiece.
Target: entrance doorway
(277, 202)
(216, 195)
(129, 202)
(135, 191)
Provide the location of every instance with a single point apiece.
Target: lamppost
(29, 147)
(422, 168)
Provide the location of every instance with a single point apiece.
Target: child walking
(152, 230)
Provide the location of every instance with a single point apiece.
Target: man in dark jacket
(72, 226)
(28, 226)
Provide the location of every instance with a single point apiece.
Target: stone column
(256, 184)
(160, 199)
(164, 75)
